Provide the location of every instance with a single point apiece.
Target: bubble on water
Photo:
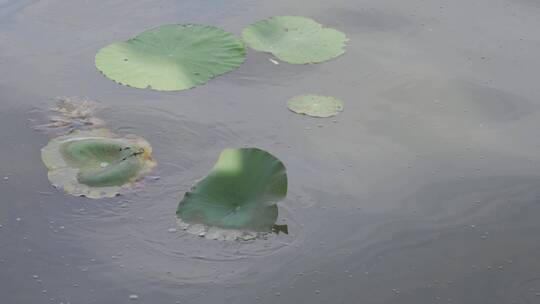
(18, 219)
(133, 297)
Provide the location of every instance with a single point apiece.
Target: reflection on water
(68, 114)
(425, 189)
(9, 8)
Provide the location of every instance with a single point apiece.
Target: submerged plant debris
(294, 39)
(171, 57)
(239, 196)
(315, 105)
(72, 113)
(96, 163)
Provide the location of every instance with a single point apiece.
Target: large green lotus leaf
(96, 164)
(172, 57)
(293, 39)
(315, 105)
(241, 192)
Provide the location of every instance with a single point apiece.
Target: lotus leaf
(95, 163)
(315, 105)
(172, 57)
(241, 192)
(293, 39)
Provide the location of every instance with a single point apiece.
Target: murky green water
(424, 190)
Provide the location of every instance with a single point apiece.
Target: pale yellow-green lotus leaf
(96, 163)
(294, 39)
(315, 105)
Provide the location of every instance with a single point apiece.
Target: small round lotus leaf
(315, 105)
(172, 57)
(241, 192)
(96, 164)
(293, 39)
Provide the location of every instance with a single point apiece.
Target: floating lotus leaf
(315, 105)
(294, 39)
(96, 164)
(241, 192)
(171, 57)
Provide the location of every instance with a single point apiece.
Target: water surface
(424, 190)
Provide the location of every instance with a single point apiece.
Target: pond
(424, 189)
